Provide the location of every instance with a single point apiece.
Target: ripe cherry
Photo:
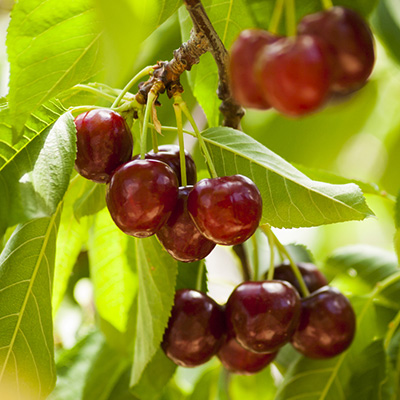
(313, 277)
(195, 329)
(169, 154)
(244, 51)
(350, 42)
(294, 74)
(226, 210)
(327, 324)
(263, 315)
(238, 360)
(104, 142)
(141, 196)
(179, 235)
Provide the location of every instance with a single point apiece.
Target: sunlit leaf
(26, 328)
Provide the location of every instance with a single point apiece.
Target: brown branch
(229, 108)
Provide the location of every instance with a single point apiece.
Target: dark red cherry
(244, 51)
(327, 324)
(263, 315)
(294, 74)
(104, 142)
(313, 277)
(141, 196)
(238, 360)
(350, 42)
(179, 235)
(195, 329)
(169, 154)
(226, 210)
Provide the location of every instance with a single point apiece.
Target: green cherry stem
(256, 266)
(154, 138)
(95, 91)
(276, 16)
(290, 18)
(199, 280)
(139, 75)
(81, 109)
(203, 146)
(179, 124)
(281, 248)
(271, 255)
(391, 331)
(174, 129)
(143, 143)
(327, 4)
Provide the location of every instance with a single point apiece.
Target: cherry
(327, 324)
(294, 74)
(195, 329)
(313, 278)
(238, 360)
(104, 142)
(169, 154)
(244, 51)
(350, 42)
(263, 315)
(179, 235)
(226, 210)
(141, 196)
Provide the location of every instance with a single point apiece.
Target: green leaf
(290, 198)
(71, 237)
(157, 272)
(91, 201)
(340, 377)
(188, 273)
(386, 21)
(154, 378)
(26, 328)
(52, 46)
(35, 179)
(115, 282)
(122, 33)
(89, 370)
(368, 264)
(207, 386)
(254, 387)
(228, 19)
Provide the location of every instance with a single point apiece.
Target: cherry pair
(258, 319)
(332, 53)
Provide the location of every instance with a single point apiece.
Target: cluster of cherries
(333, 53)
(257, 320)
(145, 196)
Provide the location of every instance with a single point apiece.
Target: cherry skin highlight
(294, 74)
(104, 142)
(263, 315)
(327, 324)
(244, 51)
(351, 45)
(313, 277)
(238, 360)
(179, 235)
(195, 329)
(226, 210)
(141, 196)
(169, 154)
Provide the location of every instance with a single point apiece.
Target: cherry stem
(276, 16)
(154, 139)
(327, 4)
(255, 258)
(139, 75)
(143, 143)
(95, 91)
(82, 109)
(241, 254)
(183, 106)
(179, 124)
(303, 287)
(391, 331)
(271, 255)
(290, 18)
(199, 280)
